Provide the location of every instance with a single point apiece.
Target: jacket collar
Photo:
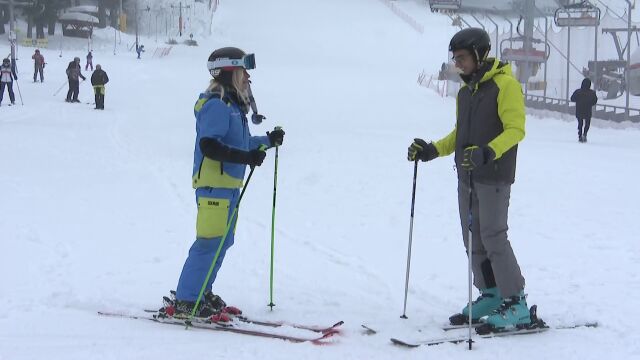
(490, 68)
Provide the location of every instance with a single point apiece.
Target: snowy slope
(97, 211)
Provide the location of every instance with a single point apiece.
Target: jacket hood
(586, 84)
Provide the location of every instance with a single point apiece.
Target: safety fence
(601, 111)
(445, 87)
(404, 16)
(162, 51)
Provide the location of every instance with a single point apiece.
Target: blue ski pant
(203, 250)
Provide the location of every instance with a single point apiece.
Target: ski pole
(19, 92)
(256, 118)
(469, 255)
(60, 88)
(224, 237)
(273, 222)
(413, 203)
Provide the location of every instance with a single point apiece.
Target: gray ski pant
(493, 260)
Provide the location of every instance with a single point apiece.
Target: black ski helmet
(475, 40)
(223, 53)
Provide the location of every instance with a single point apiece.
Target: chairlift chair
(580, 14)
(444, 5)
(520, 54)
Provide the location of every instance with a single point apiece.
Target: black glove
(422, 150)
(256, 157)
(276, 136)
(476, 156)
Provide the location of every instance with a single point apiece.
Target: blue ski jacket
(225, 121)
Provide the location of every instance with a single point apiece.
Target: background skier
(139, 50)
(73, 75)
(38, 65)
(99, 79)
(7, 75)
(585, 99)
(490, 123)
(223, 149)
(89, 61)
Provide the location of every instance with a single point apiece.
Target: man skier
(89, 61)
(38, 65)
(489, 125)
(139, 50)
(99, 79)
(73, 75)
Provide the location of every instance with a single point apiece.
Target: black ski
(368, 330)
(461, 339)
(485, 331)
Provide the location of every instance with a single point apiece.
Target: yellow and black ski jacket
(490, 112)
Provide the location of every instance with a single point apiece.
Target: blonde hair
(237, 77)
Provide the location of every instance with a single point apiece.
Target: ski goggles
(247, 62)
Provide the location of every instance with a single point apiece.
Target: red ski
(232, 328)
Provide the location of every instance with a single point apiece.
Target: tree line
(41, 14)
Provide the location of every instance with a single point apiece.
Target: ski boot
(488, 301)
(216, 302)
(184, 310)
(217, 310)
(513, 314)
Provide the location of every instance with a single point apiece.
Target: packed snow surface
(97, 210)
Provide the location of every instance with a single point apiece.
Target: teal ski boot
(513, 314)
(488, 301)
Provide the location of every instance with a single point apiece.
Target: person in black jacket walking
(585, 99)
(99, 79)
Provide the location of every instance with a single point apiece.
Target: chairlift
(444, 5)
(611, 77)
(580, 14)
(520, 54)
(634, 73)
